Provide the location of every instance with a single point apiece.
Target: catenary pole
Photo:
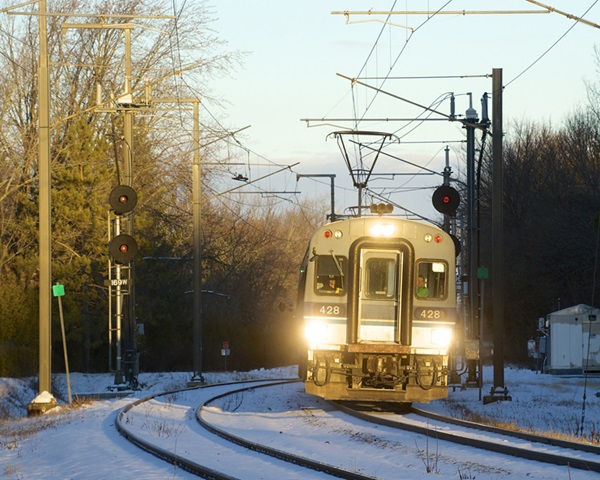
(497, 229)
(45, 228)
(197, 376)
(197, 212)
(471, 122)
(131, 354)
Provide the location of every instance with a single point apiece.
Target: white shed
(574, 340)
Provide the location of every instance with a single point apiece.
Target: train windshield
(381, 278)
(431, 279)
(330, 278)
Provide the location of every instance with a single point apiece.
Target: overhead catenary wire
(379, 90)
(392, 66)
(229, 138)
(579, 19)
(222, 133)
(244, 145)
(441, 11)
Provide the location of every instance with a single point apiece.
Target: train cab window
(431, 280)
(380, 278)
(330, 275)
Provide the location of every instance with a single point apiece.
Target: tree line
(551, 208)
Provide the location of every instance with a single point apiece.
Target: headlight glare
(314, 332)
(441, 337)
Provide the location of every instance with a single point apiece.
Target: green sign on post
(58, 290)
(482, 273)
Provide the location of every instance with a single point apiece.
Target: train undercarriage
(385, 374)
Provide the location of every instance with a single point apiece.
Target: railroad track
(508, 442)
(214, 430)
(142, 424)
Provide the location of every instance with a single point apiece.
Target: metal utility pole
(499, 391)
(44, 166)
(470, 126)
(497, 229)
(197, 377)
(41, 404)
(198, 244)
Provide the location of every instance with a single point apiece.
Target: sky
(83, 443)
(295, 52)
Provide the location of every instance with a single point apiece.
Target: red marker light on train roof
(327, 233)
(438, 238)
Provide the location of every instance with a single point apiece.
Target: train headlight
(315, 332)
(441, 337)
(382, 230)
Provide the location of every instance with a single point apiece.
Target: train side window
(431, 279)
(330, 275)
(381, 278)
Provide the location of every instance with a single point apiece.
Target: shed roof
(580, 309)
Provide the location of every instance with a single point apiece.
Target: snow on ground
(53, 445)
(540, 403)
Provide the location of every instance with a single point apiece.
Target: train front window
(431, 280)
(330, 275)
(381, 278)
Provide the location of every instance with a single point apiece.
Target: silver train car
(378, 301)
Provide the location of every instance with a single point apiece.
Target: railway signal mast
(122, 248)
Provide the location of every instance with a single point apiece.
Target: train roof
(380, 227)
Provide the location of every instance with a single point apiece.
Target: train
(377, 297)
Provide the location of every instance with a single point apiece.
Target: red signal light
(123, 248)
(446, 199)
(122, 199)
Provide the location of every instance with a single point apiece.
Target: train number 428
(327, 309)
(430, 313)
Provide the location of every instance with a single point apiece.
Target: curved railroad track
(197, 461)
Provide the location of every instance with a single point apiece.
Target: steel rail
(532, 437)
(503, 448)
(209, 473)
(159, 452)
(273, 452)
(166, 455)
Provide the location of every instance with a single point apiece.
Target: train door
(379, 296)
